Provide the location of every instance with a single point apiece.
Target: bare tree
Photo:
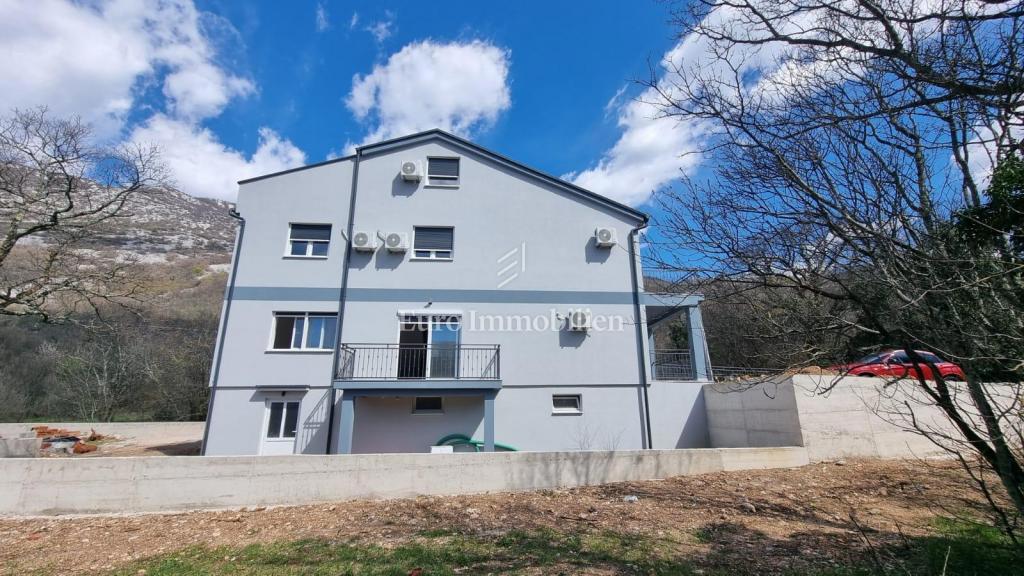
(849, 205)
(103, 374)
(57, 189)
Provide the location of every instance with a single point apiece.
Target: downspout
(229, 294)
(641, 343)
(341, 295)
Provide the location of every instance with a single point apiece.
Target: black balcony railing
(419, 362)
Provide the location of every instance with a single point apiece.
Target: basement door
(280, 424)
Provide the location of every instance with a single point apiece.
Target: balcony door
(428, 347)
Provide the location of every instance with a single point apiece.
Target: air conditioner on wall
(396, 242)
(412, 171)
(363, 241)
(579, 320)
(605, 237)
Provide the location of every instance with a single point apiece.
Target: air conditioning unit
(579, 320)
(363, 241)
(396, 242)
(605, 237)
(412, 171)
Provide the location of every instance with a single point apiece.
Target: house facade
(425, 287)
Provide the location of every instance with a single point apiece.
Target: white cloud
(354, 21)
(383, 29)
(461, 87)
(96, 59)
(614, 102)
(654, 151)
(322, 20)
(91, 59)
(203, 166)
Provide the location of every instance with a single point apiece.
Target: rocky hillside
(164, 224)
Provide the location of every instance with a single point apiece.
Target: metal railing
(419, 362)
(741, 374)
(672, 365)
(663, 279)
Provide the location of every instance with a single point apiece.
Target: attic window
(443, 171)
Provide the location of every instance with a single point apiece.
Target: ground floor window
(428, 405)
(567, 404)
(282, 419)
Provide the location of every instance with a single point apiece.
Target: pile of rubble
(47, 441)
(57, 440)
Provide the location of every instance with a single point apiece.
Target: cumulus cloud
(203, 166)
(96, 60)
(91, 59)
(461, 87)
(649, 154)
(654, 151)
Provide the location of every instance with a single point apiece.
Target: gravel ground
(771, 520)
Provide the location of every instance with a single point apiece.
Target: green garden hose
(463, 440)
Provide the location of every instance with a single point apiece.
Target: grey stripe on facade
(306, 294)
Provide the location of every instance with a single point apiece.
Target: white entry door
(281, 422)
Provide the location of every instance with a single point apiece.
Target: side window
(899, 358)
(443, 171)
(428, 405)
(433, 243)
(567, 404)
(283, 419)
(309, 240)
(304, 331)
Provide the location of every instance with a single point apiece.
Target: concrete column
(347, 423)
(489, 422)
(698, 347)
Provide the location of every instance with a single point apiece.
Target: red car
(896, 364)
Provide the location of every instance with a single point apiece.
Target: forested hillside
(148, 362)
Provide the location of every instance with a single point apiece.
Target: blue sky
(230, 90)
(564, 68)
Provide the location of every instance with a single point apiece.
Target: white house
(426, 286)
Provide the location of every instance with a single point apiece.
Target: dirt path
(772, 520)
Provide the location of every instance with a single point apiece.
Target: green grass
(972, 549)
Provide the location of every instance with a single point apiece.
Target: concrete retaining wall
(51, 486)
(856, 418)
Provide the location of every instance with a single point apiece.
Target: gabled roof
(438, 134)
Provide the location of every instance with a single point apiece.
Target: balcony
(419, 366)
(672, 365)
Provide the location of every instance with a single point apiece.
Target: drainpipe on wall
(341, 295)
(641, 343)
(229, 293)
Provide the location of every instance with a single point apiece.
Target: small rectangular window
(428, 405)
(443, 171)
(567, 404)
(309, 240)
(283, 419)
(304, 331)
(433, 242)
